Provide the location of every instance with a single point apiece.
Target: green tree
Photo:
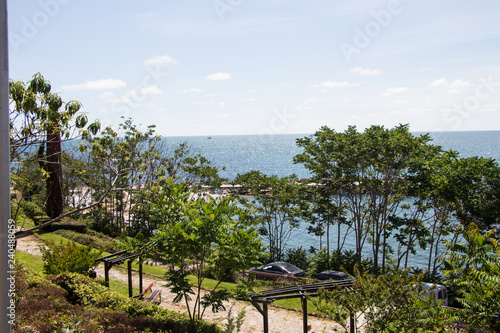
(276, 205)
(185, 165)
(473, 265)
(474, 188)
(40, 118)
(366, 175)
(451, 191)
(131, 160)
(123, 159)
(197, 236)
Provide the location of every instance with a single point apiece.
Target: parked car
(278, 271)
(333, 275)
(436, 290)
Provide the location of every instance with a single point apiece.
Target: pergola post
(129, 269)
(107, 267)
(352, 323)
(140, 275)
(266, 317)
(304, 313)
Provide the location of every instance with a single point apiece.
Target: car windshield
(289, 267)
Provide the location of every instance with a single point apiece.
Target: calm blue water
(273, 155)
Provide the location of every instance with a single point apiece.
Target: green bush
(337, 260)
(90, 238)
(85, 291)
(102, 221)
(15, 210)
(31, 209)
(68, 257)
(75, 227)
(57, 305)
(297, 257)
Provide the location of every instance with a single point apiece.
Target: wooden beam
(257, 306)
(352, 323)
(111, 255)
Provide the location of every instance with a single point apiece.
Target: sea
(273, 155)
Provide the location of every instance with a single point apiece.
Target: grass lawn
(29, 260)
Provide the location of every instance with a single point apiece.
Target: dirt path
(280, 320)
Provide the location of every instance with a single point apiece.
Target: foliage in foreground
(387, 303)
(71, 301)
(474, 266)
(212, 235)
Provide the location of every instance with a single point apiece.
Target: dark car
(333, 275)
(278, 271)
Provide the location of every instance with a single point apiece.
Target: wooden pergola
(119, 258)
(301, 291)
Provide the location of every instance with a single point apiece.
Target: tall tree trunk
(55, 196)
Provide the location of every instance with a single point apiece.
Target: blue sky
(217, 67)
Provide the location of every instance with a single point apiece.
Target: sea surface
(273, 155)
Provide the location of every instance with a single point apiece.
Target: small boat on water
(209, 138)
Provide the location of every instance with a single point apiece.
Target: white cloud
(250, 100)
(311, 100)
(366, 71)
(218, 76)
(252, 91)
(97, 85)
(195, 90)
(453, 92)
(459, 83)
(221, 104)
(334, 84)
(107, 95)
(395, 90)
(151, 90)
(129, 95)
(438, 83)
(159, 60)
(110, 97)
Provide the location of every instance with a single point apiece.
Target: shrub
(297, 257)
(75, 227)
(337, 260)
(91, 238)
(58, 305)
(31, 209)
(68, 257)
(85, 291)
(102, 221)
